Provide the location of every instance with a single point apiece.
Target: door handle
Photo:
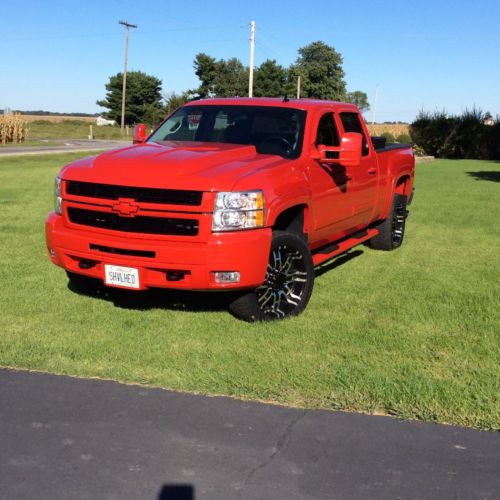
(372, 171)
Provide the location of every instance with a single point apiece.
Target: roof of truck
(270, 101)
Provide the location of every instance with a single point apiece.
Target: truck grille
(139, 224)
(147, 195)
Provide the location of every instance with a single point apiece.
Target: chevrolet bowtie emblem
(125, 208)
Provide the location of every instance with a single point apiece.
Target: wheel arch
(294, 219)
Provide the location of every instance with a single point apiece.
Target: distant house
(101, 122)
(488, 119)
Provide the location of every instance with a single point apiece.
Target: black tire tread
(383, 240)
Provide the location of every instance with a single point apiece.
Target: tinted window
(272, 130)
(327, 131)
(351, 123)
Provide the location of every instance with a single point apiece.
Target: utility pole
(298, 87)
(252, 49)
(374, 113)
(124, 88)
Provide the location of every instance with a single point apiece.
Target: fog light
(227, 276)
(52, 252)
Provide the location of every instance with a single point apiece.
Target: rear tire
(288, 284)
(392, 230)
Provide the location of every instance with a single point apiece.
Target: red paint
(339, 197)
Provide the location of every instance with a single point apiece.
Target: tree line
(318, 65)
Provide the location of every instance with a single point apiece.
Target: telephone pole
(252, 49)
(374, 111)
(124, 88)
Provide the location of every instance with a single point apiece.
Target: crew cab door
(363, 178)
(332, 196)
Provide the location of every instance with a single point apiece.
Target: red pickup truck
(247, 195)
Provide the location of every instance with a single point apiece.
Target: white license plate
(121, 276)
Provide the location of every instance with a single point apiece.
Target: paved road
(70, 146)
(64, 438)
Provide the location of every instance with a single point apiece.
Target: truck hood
(174, 165)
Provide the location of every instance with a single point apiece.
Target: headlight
(238, 210)
(57, 196)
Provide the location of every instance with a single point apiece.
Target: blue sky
(57, 55)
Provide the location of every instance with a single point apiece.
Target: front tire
(288, 284)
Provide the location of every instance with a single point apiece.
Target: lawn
(70, 129)
(411, 333)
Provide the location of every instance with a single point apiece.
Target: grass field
(58, 118)
(412, 333)
(70, 129)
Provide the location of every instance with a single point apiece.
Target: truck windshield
(272, 130)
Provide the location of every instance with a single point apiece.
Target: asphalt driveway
(62, 438)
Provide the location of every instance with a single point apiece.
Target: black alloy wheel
(288, 284)
(392, 230)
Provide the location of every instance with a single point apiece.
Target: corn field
(394, 128)
(13, 128)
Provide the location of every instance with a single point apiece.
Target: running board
(332, 250)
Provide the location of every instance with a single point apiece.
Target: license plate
(127, 277)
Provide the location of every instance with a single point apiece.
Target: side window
(351, 123)
(327, 131)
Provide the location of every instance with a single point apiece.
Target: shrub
(403, 138)
(12, 129)
(388, 137)
(463, 136)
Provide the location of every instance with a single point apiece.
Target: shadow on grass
(175, 300)
(342, 259)
(486, 175)
(156, 298)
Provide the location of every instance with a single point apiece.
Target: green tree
(143, 101)
(318, 65)
(205, 68)
(231, 78)
(174, 101)
(320, 69)
(220, 78)
(271, 80)
(359, 98)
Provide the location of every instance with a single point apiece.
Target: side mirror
(325, 154)
(139, 135)
(350, 149)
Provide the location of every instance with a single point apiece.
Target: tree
(318, 65)
(174, 101)
(220, 78)
(271, 80)
(142, 101)
(231, 78)
(320, 68)
(205, 69)
(359, 98)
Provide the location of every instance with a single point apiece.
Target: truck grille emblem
(125, 208)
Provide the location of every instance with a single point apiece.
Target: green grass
(411, 333)
(71, 129)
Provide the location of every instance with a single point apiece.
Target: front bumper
(193, 263)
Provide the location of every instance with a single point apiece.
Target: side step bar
(332, 250)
